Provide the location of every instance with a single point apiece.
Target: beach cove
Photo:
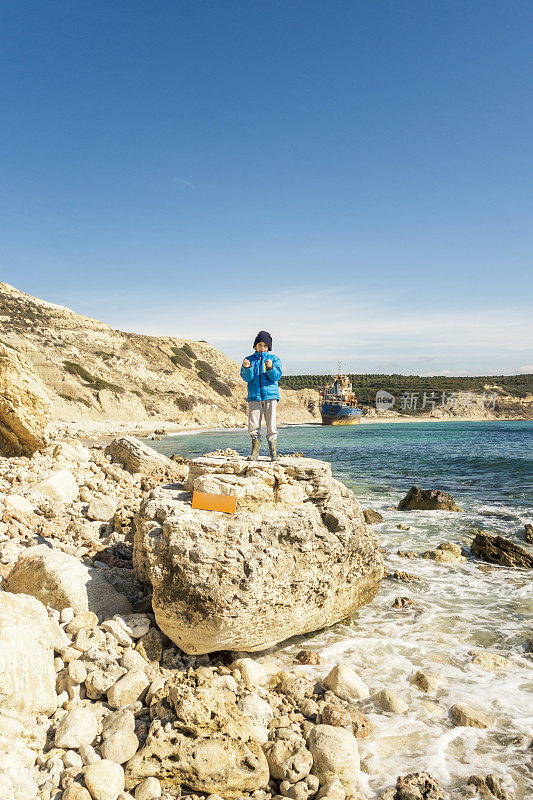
(460, 607)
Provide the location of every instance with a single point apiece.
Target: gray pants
(256, 408)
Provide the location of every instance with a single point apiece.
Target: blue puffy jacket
(262, 382)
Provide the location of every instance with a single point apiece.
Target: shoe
(273, 447)
(256, 445)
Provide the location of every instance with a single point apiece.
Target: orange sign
(214, 502)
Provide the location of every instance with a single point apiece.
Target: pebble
(465, 715)
(252, 672)
(77, 727)
(346, 684)
(389, 701)
(104, 780)
(149, 789)
(84, 621)
(120, 746)
(132, 686)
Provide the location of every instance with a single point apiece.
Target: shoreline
(94, 432)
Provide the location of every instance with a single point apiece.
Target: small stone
(346, 684)
(131, 659)
(101, 509)
(150, 645)
(372, 517)
(77, 727)
(333, 790)
(67, 614)
(389, 701)
(121, 720)
(88, 754)
(465, 715)
(115, 629)
(104, 780)
(77, 671)
(136, 625)
(252, 672)
(428, 681)
(84, 621)
(72, 759)
(360, 725)
(75, 791)
(149, 789)
(120, 746)
(131, 687)
(309, 657)
(403, 603)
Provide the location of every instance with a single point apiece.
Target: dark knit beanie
(265, 337)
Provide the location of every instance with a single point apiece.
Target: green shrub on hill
(92, 382)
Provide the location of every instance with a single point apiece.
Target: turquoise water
(488, 468)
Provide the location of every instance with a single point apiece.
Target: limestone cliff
(93, 371)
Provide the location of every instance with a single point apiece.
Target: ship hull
(335, 414)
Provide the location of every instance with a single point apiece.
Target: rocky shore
(129, 620)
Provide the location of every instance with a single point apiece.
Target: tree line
(365, 386)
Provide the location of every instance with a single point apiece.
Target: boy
(262, 371)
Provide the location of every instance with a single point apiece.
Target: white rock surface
(59, 485)
(296, 557)
(27, 638)
(78, 727)
(335, 755)
(131, 687)
(104, 780)
(60, 580)
(346, 684)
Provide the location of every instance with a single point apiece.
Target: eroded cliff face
(296, 557)
(95, 372)
(24, 406)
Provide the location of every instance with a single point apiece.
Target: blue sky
(355, 177)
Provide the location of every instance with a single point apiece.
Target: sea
(488, 468)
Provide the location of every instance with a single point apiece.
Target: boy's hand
(269, 363)
(246, 363)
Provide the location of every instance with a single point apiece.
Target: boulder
(418, 499)
(101, 509)
(208, 746)
(135, 456)
(59, 485)
(25, 406)
(489, 787)
(528, 533)
(501, 551)
(60, 580)
(296, 557)
(27, 639)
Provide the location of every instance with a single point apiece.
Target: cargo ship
(338, 405)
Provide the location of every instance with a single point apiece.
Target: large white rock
(59, 485)
(60, 580)
(135, 456)
(296, 557)
(27, 637)
(335, 755)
